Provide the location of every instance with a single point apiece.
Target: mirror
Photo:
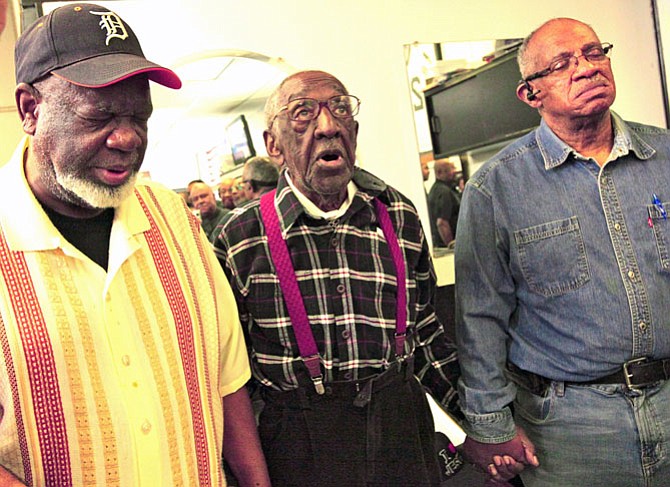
(430, 66)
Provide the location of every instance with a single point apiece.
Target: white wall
(361, 42)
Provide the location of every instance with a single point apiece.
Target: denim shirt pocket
(552, 256)
(661, 227)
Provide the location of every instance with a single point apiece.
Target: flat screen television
(478, 108)
(239, 139)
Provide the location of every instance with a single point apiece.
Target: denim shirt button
(617, 227)
(642, 326)
(631, 275)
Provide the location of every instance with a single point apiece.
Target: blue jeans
(597, 435)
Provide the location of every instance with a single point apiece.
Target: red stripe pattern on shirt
(41, 366)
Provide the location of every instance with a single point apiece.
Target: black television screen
(239, 139)
(478, 108)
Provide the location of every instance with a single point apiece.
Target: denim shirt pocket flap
(552, 256)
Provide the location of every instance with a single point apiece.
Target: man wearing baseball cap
(121, 354)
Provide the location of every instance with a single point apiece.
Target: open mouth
(114, 176)
(330, 156)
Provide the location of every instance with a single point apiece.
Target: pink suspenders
(293, 299)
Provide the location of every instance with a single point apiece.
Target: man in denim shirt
(563, 283)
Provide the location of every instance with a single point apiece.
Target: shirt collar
(25, 224)
(555, 152)
(314, 211)
(365, 186)
(39, 233)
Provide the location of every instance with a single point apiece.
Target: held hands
(502, 461)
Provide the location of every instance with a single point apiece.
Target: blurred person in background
(226, 188)
(259, 176)
(211, 215)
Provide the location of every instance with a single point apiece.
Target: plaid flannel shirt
(348, 283)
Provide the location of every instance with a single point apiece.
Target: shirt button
(642, 326)
(348, 376)
(631, 275)
(340, 288)
(617, 227)
(346, 334)
(333, 242)
(146, 427)
(125, 360)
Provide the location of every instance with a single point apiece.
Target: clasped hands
(502, 461)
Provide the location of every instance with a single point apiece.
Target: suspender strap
(399, 262)
(289, 287)
(293, 299)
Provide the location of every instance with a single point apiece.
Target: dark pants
(338, 440)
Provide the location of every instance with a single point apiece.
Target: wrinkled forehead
(311, 85)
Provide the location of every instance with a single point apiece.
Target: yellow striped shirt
(113, 378)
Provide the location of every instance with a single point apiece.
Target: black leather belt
(635, 374)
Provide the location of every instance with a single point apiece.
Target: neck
(328, 202)
(592, 137)
(323, 201)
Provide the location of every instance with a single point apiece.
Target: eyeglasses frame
(606, 47)
(322, 104)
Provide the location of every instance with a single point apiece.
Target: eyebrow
(584, 47)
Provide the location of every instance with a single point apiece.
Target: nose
(126, 137)
(326, 124)
(582, 66)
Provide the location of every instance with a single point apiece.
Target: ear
(28, 104)
(273, 150)
(522, 92)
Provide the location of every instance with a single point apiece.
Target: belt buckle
(626, 373)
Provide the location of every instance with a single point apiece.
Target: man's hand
(7, 479)
(502, 461)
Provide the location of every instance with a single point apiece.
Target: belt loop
(409, 367)
(559, 387)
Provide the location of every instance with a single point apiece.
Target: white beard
(95, 195)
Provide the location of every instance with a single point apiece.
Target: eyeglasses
(597, 53)
(306, 109)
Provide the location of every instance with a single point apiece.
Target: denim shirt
(562, 267)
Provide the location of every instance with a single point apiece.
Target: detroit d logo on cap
(113, 25)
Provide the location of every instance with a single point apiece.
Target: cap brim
(101, 71)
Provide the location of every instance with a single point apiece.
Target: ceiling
(220, 81)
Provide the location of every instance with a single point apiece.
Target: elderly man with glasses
(563, 283)
(334, 281)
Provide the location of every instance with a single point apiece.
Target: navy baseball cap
(87, 45)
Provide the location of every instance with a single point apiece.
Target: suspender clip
(318, 385)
